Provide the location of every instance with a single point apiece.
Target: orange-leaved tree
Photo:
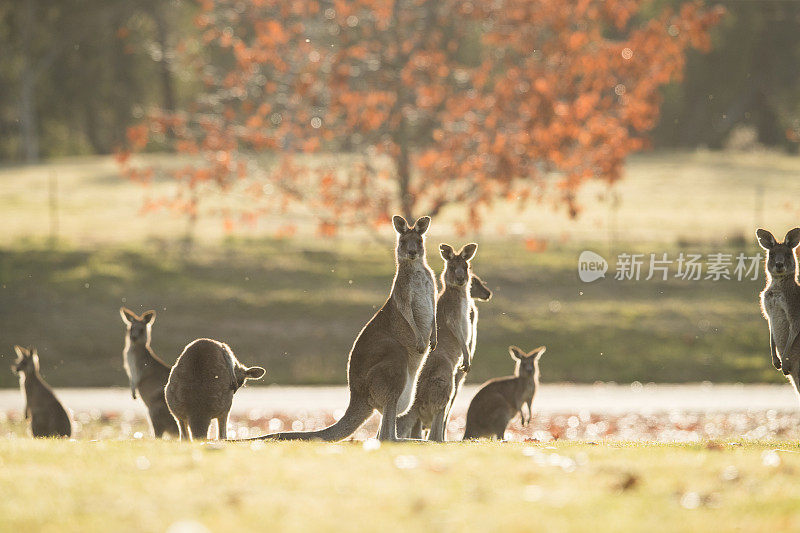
(354, 109)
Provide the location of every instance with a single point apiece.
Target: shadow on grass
(295, 310)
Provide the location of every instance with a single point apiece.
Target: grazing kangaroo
(389, 349)
(147, 373)
(500, 399)
(435, 384)
(48, 417)
(478, 291)
(780, 301)
(201, 386)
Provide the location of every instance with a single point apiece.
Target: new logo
(591, 266)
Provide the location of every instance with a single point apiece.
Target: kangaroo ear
(421, 225)
(21, 352)
(792, 238)
(127, 315)
(516, 352)
(148, 317)
(478, 289)
(447, 251)
(765, 239)
(400, 224)
(468, 251)
(537, 353)
(254, 372)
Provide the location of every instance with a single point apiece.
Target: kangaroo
(478, 292)
(409, 422)
(389, 349)
(500, 399)
(780, 302)
(435, 383)
(201, 387)
(48, 417)
(147, 373)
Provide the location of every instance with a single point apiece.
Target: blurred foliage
(443, 102)
(95, 65)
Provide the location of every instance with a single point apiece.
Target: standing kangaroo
(48, 417)
(477, 291)
(500, 399)
(780, 302)
(389, 349)
(147, 373)
(435, 384)
(201, 386)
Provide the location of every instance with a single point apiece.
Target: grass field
(165, 486)
(297, 310)
(665, 197)
(295, 306)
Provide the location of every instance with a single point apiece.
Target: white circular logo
(591, 266)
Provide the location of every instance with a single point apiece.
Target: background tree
(76, 70)
(749, 79)
(79, 72)
(439, 102)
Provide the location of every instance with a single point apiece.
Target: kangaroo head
(456, 265)
(410, 240)
(478, 289)
(527, 362)
(27, 360)
(138, 326)
(780, 256)
(244, 373)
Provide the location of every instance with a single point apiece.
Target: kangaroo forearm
(789, 344)
(408, 316)
(776, 361)
(434, 323)
(466, 358)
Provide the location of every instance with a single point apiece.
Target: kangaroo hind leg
(199, 426)
(183, 430)
(437, 426)
(222, 427)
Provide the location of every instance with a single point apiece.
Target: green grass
(296, 306)
(149, 485)
(295, 309)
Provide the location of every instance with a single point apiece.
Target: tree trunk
(400, 135)
(404, 179)
(167, 86)
(96, 138)
(30, 137)
(27, 108)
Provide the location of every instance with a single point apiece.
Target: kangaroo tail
(358, 411)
